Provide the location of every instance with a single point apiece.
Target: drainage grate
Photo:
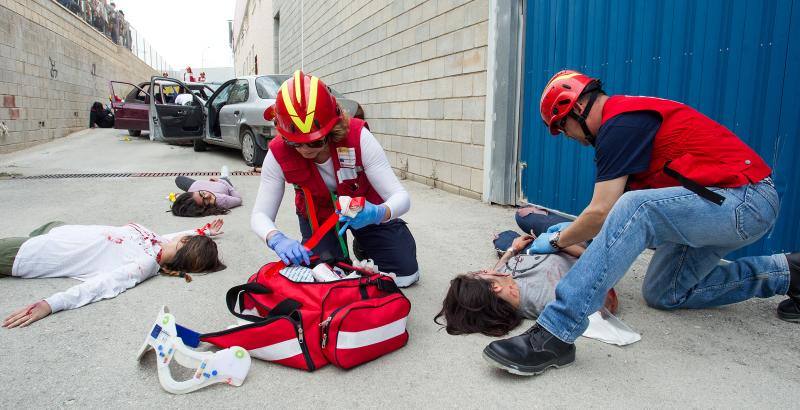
(136, 175)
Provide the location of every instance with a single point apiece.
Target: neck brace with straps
(225, 366)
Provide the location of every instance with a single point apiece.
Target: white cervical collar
(225, 366)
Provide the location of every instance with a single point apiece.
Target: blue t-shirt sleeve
(625, 144)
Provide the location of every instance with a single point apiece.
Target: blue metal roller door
(736, 61)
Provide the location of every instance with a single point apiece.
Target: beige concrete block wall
(52, 67)
(418, 67)
(253, 27)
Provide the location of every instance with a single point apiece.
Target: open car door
(170, 121)
(214, 105)
(129, 103)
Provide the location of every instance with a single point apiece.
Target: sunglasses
(314, 144)
(207, 197)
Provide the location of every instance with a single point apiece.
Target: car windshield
(267, 86)
(204, 91)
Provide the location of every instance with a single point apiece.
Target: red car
(131, 103)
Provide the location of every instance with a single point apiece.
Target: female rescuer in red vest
(668, 178)
(325, 154)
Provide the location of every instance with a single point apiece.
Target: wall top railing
(110, 21)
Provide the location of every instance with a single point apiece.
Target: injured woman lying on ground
(494, 301)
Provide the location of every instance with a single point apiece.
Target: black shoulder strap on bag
(285, 308)
(698, 189)
(236, 294)
(383, 284)
(388, 286)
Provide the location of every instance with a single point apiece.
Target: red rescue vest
(691, 144)
(303, 173)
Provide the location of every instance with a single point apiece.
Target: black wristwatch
(554, 241)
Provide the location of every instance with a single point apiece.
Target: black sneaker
(530, 353)
(789, 309)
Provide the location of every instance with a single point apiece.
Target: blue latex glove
(371, 214)
(289, 250)
(542, 244)
(559, 227)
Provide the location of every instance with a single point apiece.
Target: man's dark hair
(471, 306)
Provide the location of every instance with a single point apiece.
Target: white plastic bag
(607, 328)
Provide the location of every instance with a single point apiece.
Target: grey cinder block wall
(418, 67)
(52, 67)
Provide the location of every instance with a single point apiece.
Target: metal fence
(145, 51)
(110, 21)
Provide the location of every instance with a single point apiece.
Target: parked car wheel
(199, 145)
(135, 133)
(252, 153)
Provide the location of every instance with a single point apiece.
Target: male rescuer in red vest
(323, 153)
(668, 178)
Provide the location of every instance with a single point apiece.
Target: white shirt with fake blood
(376, 166)
(108, 259)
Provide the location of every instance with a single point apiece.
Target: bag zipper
(298, 325)
(325, 325)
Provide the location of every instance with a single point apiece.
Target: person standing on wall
(97, 15)
(668, 178)
(324, 153)
(124, 30)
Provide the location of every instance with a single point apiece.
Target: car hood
(348, 105)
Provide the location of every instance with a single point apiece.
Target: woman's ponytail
(170, 272)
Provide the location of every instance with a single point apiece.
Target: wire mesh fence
(110, 21)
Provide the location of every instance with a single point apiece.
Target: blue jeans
(537, 223)
(690, 235)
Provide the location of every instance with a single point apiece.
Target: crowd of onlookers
(103, 16)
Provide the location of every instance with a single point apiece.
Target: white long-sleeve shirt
(107, 259)
(379, 173)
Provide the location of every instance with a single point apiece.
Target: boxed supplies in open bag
(307, 325)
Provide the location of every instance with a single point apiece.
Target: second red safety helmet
(560, 95)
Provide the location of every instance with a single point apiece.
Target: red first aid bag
(307, 325)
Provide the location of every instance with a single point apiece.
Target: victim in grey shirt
(537, 277)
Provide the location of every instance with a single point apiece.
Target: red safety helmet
(560, 95)
(305, 110)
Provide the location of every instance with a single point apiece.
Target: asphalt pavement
(731, 357)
